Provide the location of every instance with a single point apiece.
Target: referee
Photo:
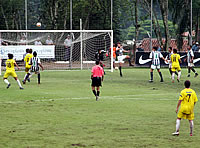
(97, 78)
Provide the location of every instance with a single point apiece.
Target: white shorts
(190, 64)
(121, 58)
(155, 67)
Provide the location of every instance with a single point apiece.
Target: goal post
(59, 49)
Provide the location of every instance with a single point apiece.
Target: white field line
(122, 97)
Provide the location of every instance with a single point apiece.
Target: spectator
(160, 48)
(22, 41)
(195, 47)
(49, 41)
(38, 42)
(68, 43)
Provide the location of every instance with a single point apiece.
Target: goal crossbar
(84, 45)
(59, 31)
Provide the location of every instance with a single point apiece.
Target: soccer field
(62, 111)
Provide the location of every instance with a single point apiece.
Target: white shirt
(22, 41)
(120, 51)
(38, 43)
(68, 42)
(49, 42)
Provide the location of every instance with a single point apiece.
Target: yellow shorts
(178, 68)
(186, 116)
(10, 73)
(27, 68)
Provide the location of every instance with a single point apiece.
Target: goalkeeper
(99, 56)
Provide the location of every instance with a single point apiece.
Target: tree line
(131, 18)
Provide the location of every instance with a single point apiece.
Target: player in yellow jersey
(176, 60)
(27, 66)
(187, 100)
(10, 71)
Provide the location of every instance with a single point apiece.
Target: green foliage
(129, 33)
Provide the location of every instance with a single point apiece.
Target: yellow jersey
(10, 65)
(188, 97)
(175, 60)
(27, 59)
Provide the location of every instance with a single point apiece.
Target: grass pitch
(62, 111)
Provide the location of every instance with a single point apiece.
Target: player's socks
(193, 70)
(129, 61)
(161, 77)
(179, 75)
(178, 122)
(6, 81)
(98, 92)
(18, 82)
(196, 74)
(120, 70)
(173, 75)
(191, 127)
(94, 92)
(188, 72)
(39, 78)
(27, 77)
(170, 71)
(151, 74)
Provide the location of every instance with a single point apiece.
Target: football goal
(58, 49)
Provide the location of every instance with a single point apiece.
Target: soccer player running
(170, 52)
(24, 55)
(121, 57)
(35, 63)
(190, 58)
(155, 56)
(187, 100)
(10, 71)
(97, 77)
(27, 66)
(176, 60)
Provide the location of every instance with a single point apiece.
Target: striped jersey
(34, 62)
(190, 54)
(155, 56)
(120, 51)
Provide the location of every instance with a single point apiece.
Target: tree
(164, 11)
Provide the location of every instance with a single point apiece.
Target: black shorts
(96, 81)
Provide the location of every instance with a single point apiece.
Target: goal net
(58, 49)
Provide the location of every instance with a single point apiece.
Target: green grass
(62, 111)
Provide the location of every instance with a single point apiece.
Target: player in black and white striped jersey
(190, 58)
(155, 56)
(35, 66)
